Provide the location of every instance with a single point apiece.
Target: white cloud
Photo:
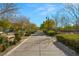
(44, 10)
(40, 9)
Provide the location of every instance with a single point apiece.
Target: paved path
(36, 45)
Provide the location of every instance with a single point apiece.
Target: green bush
(2, 47)
(27, 33)
(32, 32)
(71, 40)
(3, 43)
(51, 32)
(21, 33)
(17, 37)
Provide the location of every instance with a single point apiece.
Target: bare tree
(73, 9)
(7, 9)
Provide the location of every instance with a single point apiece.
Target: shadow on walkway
(65, 49)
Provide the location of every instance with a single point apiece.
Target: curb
(65, 49)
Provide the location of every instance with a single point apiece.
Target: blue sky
(37, 12)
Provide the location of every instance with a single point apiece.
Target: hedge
(50, 32)
(70, 40)
(3, 43)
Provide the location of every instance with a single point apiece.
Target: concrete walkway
(36, 45)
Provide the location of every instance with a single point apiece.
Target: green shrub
(3, 43)
(17, 37)
(32, 32)
(71, 40)
(21, 33)
(51, 32)
(27, 33)
(2, 47)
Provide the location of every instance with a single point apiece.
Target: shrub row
(50, 32)
(70, 40)
(5, 43)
